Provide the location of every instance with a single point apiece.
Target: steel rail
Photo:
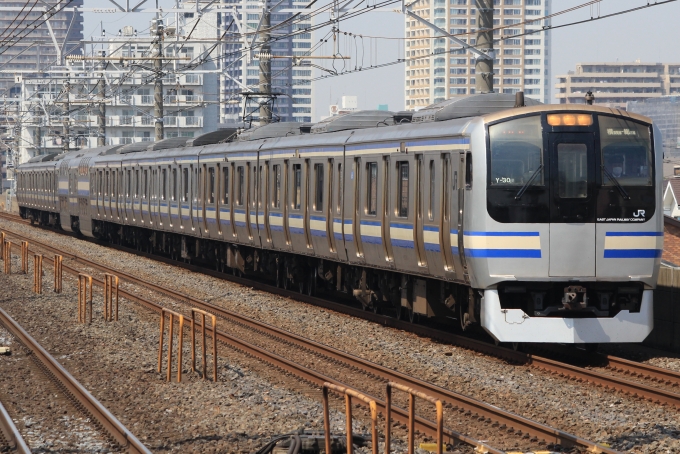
(463, 403)
(647, 371)
(11, 434)
(90, 404)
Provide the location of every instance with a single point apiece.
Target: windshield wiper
(616, 183)
(528, 183)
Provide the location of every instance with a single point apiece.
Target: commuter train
(541, 223)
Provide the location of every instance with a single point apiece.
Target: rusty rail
(37, 273)
(11, 434)
(84, 283)
(110, 295)
(203, 315)
(7, 256)
(349, 393)
(24, 257)
(58, 259)
(180, 343)
(2, 245)
(89, 404)
(412, 394)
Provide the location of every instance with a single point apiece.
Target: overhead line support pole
(265, 86)
(484, 62)
(158, 85)
(101, 112)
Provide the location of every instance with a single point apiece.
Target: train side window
(241, 185)
(297, 186)
(372, 192)
(225, 182)
(402, 189)
(146, 183)
(432, 191)
(468, 170)
(318, 187)
(255, 186)
(277, 186)
(136, 183)
(340, 191)
(164, 184)
(185, 184)
(174, 185)
(211, 184)
(260, 187)
(129, 183)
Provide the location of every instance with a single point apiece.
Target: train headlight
(570, 120)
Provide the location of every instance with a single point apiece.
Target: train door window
(241, 185)
(174, 185)
(372, 189)
(260, 187)
(185, 185)
(340, 191)
(430, 211)
(211, 185)
(146, 184)
(468, 170)
(225, 187)
(129, 183)
(402, 189)
(572, 165)
(297, 186)
(136, 183)
(164, 184)
(277, 186)
(318, 187)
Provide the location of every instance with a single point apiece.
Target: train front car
(568, 248)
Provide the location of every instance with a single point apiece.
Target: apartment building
(438, 69)
(36, 50)
(242, 74)
(665, 112)
(617, 84)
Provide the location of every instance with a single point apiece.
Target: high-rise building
(36, 42)
(241, 72)
(438, 69)
(615, 84)
(665, 112)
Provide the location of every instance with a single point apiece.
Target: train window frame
(174, 185)
(129, 183)
(318, 187)
(225, 181)
(260, 188)
(624, 179)
(372, 188)
(146, 184)
(276, 199)
(468, 170)
(403, 189)
(241, 181)
(431, 205)
(341, 193)
(297, 187)
(211, 185)
(164, 184)
(136, 183)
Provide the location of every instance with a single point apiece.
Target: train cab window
(340, 191)
(626, 152)
(430, 211)
(572, 170)
(276, 200)
(297, 186)
(516, 153)
(225, 185)
(185, 185)
(318, 187)
(402, 189)
(240, 194)
(174, 185)
(372, 190)
(211, 185)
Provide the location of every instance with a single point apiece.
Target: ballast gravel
(625, 423)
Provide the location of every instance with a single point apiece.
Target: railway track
(475, 411)
(76, 393)
(10, 438)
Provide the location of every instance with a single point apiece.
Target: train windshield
(626, 152)
(517, 153)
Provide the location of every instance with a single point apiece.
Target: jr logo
(639, 214)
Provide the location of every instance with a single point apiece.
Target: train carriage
(539, 223)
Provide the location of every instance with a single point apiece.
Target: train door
(402, 236)
(232, 199)
(146, 194)
(432, 213)
(241, 222)
(320, 220)
(260, 183)
(462, 171)
(193, 197)
(277, 204)
(447, 193)
(368, 209)
(572, 204)
(184, 197)
(224, 208)
(266, 203)
(286, 203)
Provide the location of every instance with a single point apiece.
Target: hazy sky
(650, 35)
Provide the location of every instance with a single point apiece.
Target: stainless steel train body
(540, 223)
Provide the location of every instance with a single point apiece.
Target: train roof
(496, 116)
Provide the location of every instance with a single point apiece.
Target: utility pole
(158, 85)
(484, 66)
(101, 110)
(66, 113)
(265, 87)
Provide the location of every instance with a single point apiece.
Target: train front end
(569, 246)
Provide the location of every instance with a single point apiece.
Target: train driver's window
(372, 190)
(297, 186)
(516, 153)
(241, 185)
(626, 152)
(225, 185)
(276, 200)
(318, 187)
(402, 189)
(185, 185)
